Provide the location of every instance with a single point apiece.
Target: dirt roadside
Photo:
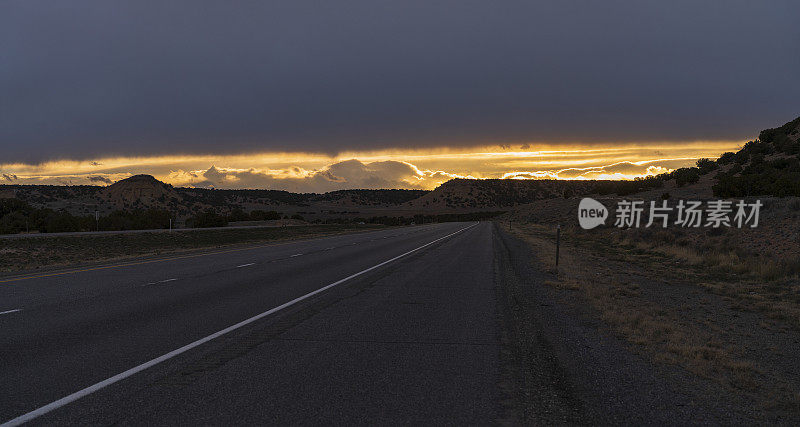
(610, 344)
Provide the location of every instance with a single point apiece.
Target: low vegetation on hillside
(391, 197)
(768, 166)
(500, 193)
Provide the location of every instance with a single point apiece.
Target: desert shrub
(741, 157)
(726, 158)
(58, 222)
(779, 177)
(207, 218)
(683, 176)
(706, 165)
(237, 214)
(779, 135)
(259, 215)
(17, 216)
(135, 220)
(390, 196)
(623, 188)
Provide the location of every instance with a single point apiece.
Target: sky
(317, 96)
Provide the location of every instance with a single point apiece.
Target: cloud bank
(412, 170)
(89, 79)
(347, 174)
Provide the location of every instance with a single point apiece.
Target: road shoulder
(563, 366)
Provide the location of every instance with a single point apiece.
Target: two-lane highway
(393, 324)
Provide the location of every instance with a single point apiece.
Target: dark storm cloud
(86, 79)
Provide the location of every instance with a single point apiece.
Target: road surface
(402, 327)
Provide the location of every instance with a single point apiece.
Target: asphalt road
(407, 333)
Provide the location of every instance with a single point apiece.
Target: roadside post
(558, 241)
(97, 219)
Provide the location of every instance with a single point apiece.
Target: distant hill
(140, 191)
(767, 166)
(371, 197)
(498, 193)
(144, 192)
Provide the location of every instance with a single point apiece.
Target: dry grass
(717, 263)
(563, 284)
(594, 269)
(49, 251)
(718, 255)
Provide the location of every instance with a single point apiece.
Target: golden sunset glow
(425, 169)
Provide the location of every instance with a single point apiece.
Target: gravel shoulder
(564, 361)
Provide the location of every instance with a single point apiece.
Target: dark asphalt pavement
(410, 341)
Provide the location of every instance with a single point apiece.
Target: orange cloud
(378, 169)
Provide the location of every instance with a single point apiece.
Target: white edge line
(245, 265)
(11, 311)
(295, 255)
(122, 375)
